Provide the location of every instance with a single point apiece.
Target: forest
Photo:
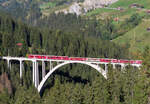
(69, 35)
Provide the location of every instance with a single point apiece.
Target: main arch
(95, 66)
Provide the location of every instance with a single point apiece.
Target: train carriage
(85, 59)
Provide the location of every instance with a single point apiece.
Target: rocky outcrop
(80, 8)
(5, 83)
(92, 4)
(74, 8)
(98, 2)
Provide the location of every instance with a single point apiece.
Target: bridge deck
(70, 59)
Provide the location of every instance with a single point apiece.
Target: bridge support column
(33, 71)
(106, 68)
(138, 66)
(9, 64)
(36, 74)
(43, 69)
(114, 66)
(21, 66)
(122, 67)
(51, 66)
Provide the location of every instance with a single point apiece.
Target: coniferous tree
(113, 85)
(99, 87)
(142, 89)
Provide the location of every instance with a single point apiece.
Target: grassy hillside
(127, 3)
(137, 38)
(100, 11)
(125, 13)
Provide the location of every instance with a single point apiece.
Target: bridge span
(95, 63)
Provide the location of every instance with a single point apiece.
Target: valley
(74, 36)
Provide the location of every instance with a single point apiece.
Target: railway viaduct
(35, 69)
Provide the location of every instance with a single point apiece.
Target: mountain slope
(127, 3)
(137, 38)
(30, 10)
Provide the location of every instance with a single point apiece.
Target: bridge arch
(97, 67)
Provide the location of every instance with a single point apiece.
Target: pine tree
(5, 97)
(67, 93)
(54, 95)
(77, 95)
(129, 78)
(27, 96)
(99, 87)
(114, 85)
(88, 94)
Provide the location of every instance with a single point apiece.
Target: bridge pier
(9, 63)
(21, 66)
(50, 65)
(36, 74)
(106, 68)
(114, 66)
(122, 66)
(43, 69)
(33, 71)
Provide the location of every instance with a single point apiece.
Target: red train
(85, 59)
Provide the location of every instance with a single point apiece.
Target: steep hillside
(122, 9)
(137, 38)
(127, 3)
